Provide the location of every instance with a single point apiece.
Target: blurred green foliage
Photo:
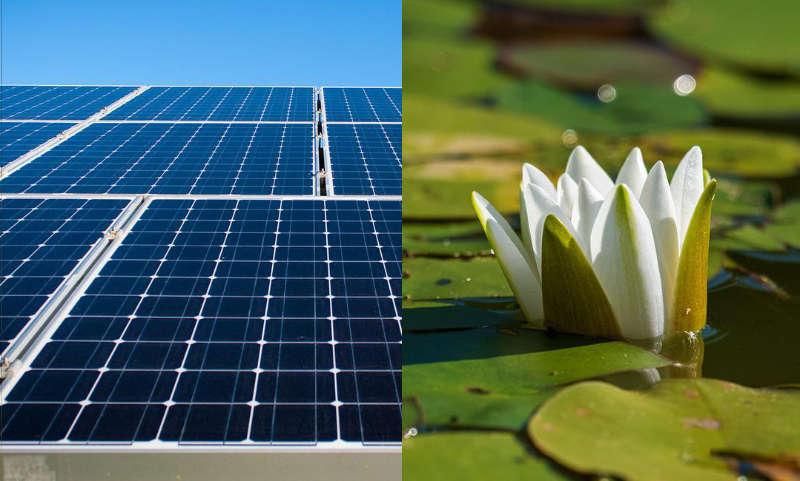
(760, 36)
(727, 93)
(587, 64)
(631, 112)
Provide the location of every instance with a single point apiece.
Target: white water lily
(625, 259)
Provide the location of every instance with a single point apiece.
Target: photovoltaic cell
(175, 158)
(363, 104)
(229, 321)
(366, 159)
(56, 103)
(17, 138)
(220, 103)
(42, 240)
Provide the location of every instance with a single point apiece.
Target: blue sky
(267, 42)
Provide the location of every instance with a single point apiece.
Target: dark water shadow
(753, 334)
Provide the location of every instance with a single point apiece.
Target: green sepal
(691, 297)
(574, 300)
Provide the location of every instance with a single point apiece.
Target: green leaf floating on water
(756, 35)
(466, 456)
(780, 230)
(502, 391)
(431, 279)
(673, 431)
(627, 114)
(456, 239)
(587, 64)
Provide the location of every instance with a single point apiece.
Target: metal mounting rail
(315, 166)
(328, 174)
(27, 345)
(22, 160)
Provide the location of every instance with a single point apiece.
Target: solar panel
(175, 158)
(56, 102)
(17, 138)
(42, 240)
(220, 103)
(366, 159)
(363, 104)
(228, 321)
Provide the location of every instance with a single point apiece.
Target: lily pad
(585, 65)
(434, 114)
(780, 230)
(770, 233)
(432, 279)
(441, 190)
(456, 239)
(738, 200)
(501, 391)
(730, 95)
(437, 66)
(756, 35)
(677, 430)
(442, 18)
(466, 456)
(730, 151)
(631, 112)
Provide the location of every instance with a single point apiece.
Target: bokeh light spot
(606, 93)
(684, 85)
(569, 138)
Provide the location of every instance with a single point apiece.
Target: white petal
(517, 265)
(585, 212)
(567, 193)
(582, 165)
(687, 185)
(537, 206)
(656, 200)
(532, 175)
(633, 172)
(624, 258)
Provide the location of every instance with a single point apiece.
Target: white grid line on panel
(11, 167)
(80, 278)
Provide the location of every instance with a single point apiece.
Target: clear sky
(267, 42)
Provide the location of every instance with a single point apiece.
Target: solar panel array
(56, 103)
(42, 241)
(175, 158)
(237, 304)
(363, 130)
(220, 103)
(363, 104)
(18, 138)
